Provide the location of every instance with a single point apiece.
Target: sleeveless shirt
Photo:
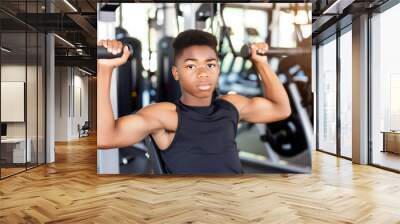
(204, 141)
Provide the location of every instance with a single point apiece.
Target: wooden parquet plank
(70, 191)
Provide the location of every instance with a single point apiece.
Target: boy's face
(197, 70)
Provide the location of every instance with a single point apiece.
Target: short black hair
(189, 38)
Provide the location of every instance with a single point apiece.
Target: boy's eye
(190, 66)
(211, 65)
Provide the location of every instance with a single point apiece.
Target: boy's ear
(175, 73)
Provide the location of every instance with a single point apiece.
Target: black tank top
(204, 141)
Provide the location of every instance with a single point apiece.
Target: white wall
(14, 73)
(80, 100)
(61, 103)
(71, 93)
(33, 126)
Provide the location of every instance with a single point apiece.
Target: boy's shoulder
(233, 98)
(160, 107)
(159, 111)
(164, 112)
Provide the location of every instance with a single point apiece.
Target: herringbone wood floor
(70, 191)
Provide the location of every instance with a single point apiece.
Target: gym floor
(70, 191)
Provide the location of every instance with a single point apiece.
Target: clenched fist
(114, 47)
(258, 48)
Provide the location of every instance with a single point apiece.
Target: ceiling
(328, 16)
(73, 20)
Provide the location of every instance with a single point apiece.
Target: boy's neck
(195, 102)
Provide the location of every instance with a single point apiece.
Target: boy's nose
(202, 72)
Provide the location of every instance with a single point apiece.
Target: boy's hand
(114, 47)
(261, 48)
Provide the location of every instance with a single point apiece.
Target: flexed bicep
(256, 109)
(131, 129)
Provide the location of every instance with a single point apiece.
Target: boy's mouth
(204, 86)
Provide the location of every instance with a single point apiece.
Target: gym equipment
(245, 51)
(130, 86)
(134, 159)
(286, 137)
(235, 75)
(168, 88)
(297, 68)
(130, 80)
(154, 156)
(293, 135)
(205, 11)
(287, 143)
(102, 52)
